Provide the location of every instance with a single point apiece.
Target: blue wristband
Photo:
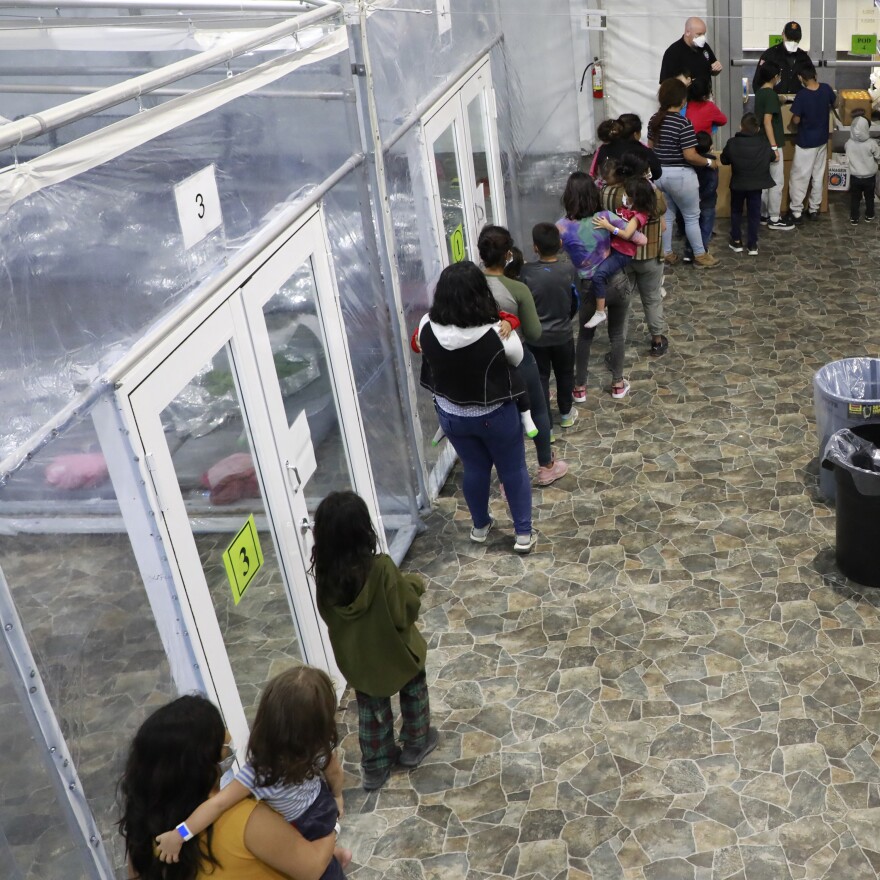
(184, 832)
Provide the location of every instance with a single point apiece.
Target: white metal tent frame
(98, 401)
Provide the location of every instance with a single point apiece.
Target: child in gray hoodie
(863, 155)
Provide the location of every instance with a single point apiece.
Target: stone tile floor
(677, 684)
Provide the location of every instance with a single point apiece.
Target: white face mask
(700, 41)
(790, 46)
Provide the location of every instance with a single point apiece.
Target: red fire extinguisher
(597, 81)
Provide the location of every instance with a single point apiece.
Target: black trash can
(846, 394)
(854, 456)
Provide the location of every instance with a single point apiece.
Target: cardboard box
(838, 173)
(853, 99)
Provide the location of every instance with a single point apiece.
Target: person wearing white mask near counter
(787, 55)
(691, 53)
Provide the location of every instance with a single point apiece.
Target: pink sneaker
(579, 395)
(550, 474)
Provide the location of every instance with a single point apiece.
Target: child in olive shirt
(769, 114)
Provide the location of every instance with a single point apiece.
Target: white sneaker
(596, 320)
(662, 292)
(569, 418)
(438, 437)
(478, 536)
(524, 543)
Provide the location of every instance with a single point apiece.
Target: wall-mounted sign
(198, 206)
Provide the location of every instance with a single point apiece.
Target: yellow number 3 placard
(243, 558)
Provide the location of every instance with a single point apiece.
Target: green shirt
(767, 101)
(514, 297)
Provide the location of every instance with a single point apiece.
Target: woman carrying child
(636, 209)
(174, 765)
(291, 765)
(588, 245)
(371, 609)
(646, 268)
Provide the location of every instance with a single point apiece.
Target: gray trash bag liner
(857, 455)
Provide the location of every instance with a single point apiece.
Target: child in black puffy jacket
(749, 156)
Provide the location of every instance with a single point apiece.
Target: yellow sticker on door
(243, 558)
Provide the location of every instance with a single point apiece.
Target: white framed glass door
(245, 425)
(464, 166)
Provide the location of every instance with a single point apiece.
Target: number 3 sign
(243, 558)
(198, 205)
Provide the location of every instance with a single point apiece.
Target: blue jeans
(682, 191)
(708, 179)
(482, 441)
(606, 270)
(317, 822)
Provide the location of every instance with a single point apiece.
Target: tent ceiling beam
(14, 133)
(243, 6)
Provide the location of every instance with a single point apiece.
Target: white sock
(529, 426)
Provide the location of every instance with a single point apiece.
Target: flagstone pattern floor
(677, 684)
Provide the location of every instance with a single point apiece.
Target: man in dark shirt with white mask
(787, 55)
(691, 53)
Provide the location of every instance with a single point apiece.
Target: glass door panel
(303, 377)
(448, 194)
(484, 212)
(213, 462)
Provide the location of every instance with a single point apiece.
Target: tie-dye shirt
(586, 245)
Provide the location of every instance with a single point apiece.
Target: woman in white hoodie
(466, 366)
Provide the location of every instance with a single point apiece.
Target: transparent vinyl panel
(87, 618)
(214, 466)
(35, 840)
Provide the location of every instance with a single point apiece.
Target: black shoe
(412, 756)
(374, 779)
(796, 219)
(813, 215)
(854, 221)
(658, 348)
(869, 219)
(765, 219)
(736, 246)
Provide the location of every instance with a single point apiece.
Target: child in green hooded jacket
(371, 609)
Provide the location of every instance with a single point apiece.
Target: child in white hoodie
(863, 155)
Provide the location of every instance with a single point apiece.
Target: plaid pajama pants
(376, 723)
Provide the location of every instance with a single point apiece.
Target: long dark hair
(462, 297)
(672, 93)
(765, 72)
(294, 731)
(171, 769)
(493, 244)
(345, 546)
(581, 198)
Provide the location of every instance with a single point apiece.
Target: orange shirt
(237, 862)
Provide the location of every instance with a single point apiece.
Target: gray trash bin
(846, 394)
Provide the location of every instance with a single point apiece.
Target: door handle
(292, 467)
(306, 525)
